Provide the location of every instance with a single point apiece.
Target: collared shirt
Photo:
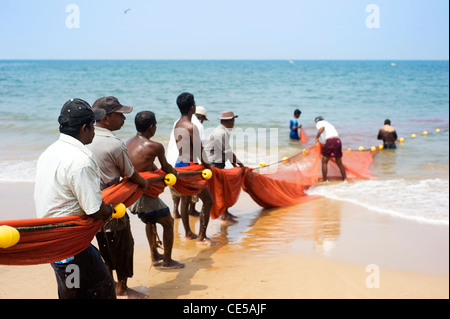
(67, 180)
(329, 130)
(111, 156)
(217, 148)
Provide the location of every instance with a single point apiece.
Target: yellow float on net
(425, 133)
(170, 179)
(206, 174)
(9, 236)
(373, 148)
(413, 135)
(119, 211)
(381, 146)
(262, 164)
(401, 139)
(285, 159)
(438, 130)
(361, 148)
(305, 152)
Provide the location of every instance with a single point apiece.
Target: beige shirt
(111, 155)
(217, 148)
(67, 180)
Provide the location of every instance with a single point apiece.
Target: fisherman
(219, 151)
(68, 184)
(295, 126)
(115, 240)
(388, 134)
(190, 152)
(143, 152)
(332, 147)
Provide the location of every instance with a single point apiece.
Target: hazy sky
(224, 29)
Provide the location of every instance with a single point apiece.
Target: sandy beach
(320, 249)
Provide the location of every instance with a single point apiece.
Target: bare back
(188, 141)
(143, 152)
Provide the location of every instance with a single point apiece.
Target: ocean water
(355, 96)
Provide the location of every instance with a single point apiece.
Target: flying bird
(126, 11)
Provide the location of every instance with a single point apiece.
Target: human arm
(138, 179)
(165, 166)
(104, 212)
(380, 135)
(319, 132)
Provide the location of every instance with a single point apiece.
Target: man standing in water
(143, 152)
(388, 134)
(190, 151)
(332, 147)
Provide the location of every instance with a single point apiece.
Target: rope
(154, 179)
(44, 227)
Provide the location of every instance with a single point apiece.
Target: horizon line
(207, 59)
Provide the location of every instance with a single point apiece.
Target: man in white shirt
(332, 147)
(68, 184)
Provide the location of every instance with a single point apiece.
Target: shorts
(332, 148)
(87, 270)
(184, 164)
(116, 246)
(176, 195)
(150, 209)
(390, 146)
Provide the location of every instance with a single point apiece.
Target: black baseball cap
(111, 104)
(77, 111)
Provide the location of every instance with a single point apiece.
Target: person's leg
(84, 277)
(341, 168)
(207, 200)
(176, 197)
(151, 238)
(184, 211)
(167, 224)
(325, 168)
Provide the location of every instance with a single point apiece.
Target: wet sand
(319, 249)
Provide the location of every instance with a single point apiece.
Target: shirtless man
(190, 150)
(143, 152)
(388, 134)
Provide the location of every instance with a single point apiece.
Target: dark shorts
(332, 148)
(389, 146)
(116, 245)
(150, 209)
(84, 277)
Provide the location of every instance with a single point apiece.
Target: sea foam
(423, 200)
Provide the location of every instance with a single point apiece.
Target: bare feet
(190, 235)
(157, 261)
(131, 294)
(206, 241)
(172, 264)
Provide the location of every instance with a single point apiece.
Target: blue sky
(224, 29)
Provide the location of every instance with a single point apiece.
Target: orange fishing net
(47, 240)
(284, 183)
(281, 184)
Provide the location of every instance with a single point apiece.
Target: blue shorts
(184, 164)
